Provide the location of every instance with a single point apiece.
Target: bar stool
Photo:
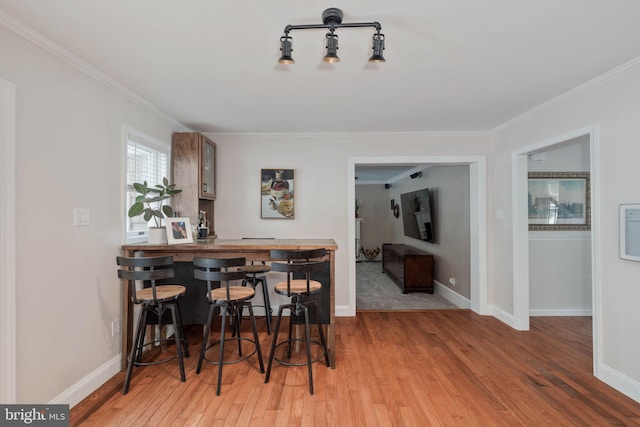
(230, 300)
(155, 299)
(299, 262)
(252, 270)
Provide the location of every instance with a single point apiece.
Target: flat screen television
(417, 218)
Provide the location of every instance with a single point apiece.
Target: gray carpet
(376, 291)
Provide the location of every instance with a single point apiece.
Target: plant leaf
(167, 210)
(140, 188)
(135, 209)
(156, 199)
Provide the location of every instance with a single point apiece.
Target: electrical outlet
(452, 281)
(115, 328)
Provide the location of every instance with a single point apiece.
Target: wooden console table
(252, 250)
(410, 268)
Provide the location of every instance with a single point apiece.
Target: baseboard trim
(83, 388)
(344, 311)
(501, 315)
(450, 295)
(619, 381)
(562, 312)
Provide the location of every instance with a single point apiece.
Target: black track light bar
(332, 20)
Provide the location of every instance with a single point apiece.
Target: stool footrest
(229, 362)
(303, 340)
(158, 343)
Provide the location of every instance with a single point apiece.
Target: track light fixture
(332, 19)
(332, 48)
(285, 47)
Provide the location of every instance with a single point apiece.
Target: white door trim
(8, 390)
(478, 221)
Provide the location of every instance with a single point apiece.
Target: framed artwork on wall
(559, 201)
(276, 194)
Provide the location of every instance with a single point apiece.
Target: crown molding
(41, 41)
(557, 100)
(311, 135)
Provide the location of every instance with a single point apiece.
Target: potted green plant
(149, 203)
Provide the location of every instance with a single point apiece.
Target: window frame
(131, 135)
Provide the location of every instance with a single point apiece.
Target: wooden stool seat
(298, 286)
(236, 293)
(163, 293)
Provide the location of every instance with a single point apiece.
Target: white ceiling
(452, 65)
(385, 173)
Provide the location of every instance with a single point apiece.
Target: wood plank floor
(427, 368)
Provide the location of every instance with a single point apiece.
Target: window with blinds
(147, 160)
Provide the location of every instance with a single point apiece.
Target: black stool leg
(237, 312)
(185, 347)
(292, 315)
(267, 303)
(143, 334)
(308, 337)
(142, 320)
(222, 329)
(273, 345)
(323, 342)
(205, 338)
(268, 312)
(177, 334)
(255, 337)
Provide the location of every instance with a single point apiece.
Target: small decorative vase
(157, 235)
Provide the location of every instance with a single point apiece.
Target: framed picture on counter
(178, 230)
(276, 194)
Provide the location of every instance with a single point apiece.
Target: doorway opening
(477, 226)
(521, 257)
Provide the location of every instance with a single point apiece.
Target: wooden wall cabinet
(410, 268)
(193, 169)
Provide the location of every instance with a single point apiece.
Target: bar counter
(251, 249)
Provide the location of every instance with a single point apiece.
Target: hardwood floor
(437, 367)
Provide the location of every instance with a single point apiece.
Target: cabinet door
(208, 170)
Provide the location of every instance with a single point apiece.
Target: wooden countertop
(237, 244)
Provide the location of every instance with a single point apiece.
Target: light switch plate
(81, 216)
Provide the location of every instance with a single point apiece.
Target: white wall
(322, 185)
(612, 105)
(375, 210)
(69, 154)
(449, 192)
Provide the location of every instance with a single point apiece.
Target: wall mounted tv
(416, 215)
